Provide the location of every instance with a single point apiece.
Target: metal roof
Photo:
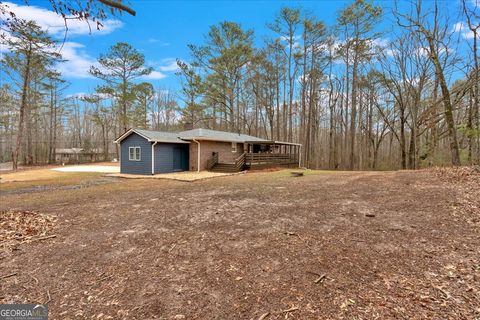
(207, 134)
(161, 136)
(155, 136)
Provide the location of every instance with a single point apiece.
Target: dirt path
(330, 246)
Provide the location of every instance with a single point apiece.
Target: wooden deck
(254, 161)
(270, 159)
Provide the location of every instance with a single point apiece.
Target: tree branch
(118, 5)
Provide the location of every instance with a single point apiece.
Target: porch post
(251, 157)
(300, 156)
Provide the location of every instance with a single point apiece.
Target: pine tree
(31, 49)
(120, 67)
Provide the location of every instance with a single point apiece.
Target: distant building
(79, 155)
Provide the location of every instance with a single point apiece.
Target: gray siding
(163, 157)
(144, 166)
(170, 157)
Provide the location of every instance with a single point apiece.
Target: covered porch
(258, 155)
(272, 153)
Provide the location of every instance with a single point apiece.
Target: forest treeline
(382, 88)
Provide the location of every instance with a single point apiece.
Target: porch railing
(240, 161)
(276, 158)
(212, 161)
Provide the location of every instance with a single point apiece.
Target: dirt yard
(328, 245)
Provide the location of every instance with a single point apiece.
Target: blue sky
(161, 30)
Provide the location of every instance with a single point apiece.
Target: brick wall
(224, 150)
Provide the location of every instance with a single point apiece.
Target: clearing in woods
(343, 245)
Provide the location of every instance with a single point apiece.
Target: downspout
(117, 146)
(153, 157)
(198, 155)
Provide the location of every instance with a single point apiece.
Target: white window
(134, 154)
(234, 147)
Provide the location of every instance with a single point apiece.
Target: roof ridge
(158, 131)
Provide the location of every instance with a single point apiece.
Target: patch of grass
(43, 177)
(32, 175)
(44, 199)
(253, 179)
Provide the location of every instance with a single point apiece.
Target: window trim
(134, 158)
(131, 153)
(234, 147)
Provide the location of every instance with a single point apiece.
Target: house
(151, 152)
(79, 155)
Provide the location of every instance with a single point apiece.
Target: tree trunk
(402, 138)
(21, 118)
(470, 127)
(51, 127)
(346, 104)
(447, 103)
(353, 116)
(124, 104)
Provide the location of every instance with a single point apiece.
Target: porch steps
(225, 167)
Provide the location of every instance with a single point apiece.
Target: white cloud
(78, 61)
(7, 37)
(378, 45)
(425, 52)
(78, 95)
(154, 75)
(380, 42)
(55, 24)
(154, 40)
(462, 28)
(163, 66)
(383, 45)
(168, 65)
(81, 95)
(287, 38)
(296, 41)
(421, 51)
